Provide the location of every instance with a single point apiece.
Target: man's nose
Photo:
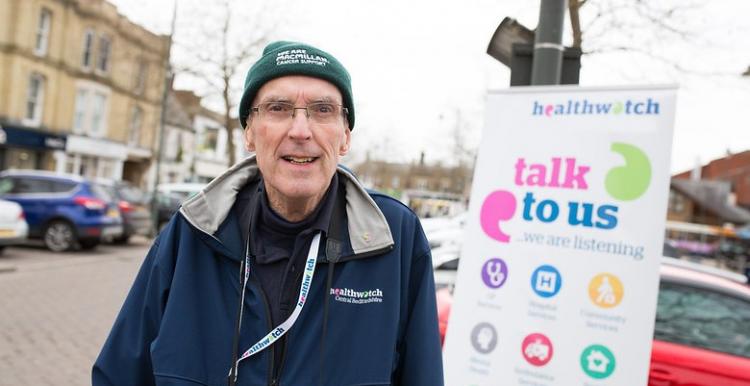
(300, 125)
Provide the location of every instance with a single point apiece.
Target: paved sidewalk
(56, 310)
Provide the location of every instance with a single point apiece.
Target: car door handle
(661, 377)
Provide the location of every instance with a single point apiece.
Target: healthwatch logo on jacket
(348, 295)
(587, 107)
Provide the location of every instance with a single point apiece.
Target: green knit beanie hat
(291, 58)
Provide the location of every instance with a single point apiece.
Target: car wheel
(121, 240)
(59, 236)
(88, 243)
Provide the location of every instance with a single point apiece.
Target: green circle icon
(597, 361)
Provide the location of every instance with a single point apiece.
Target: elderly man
(284, 270)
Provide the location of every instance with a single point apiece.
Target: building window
(210, 140)
(34, 100)
(88, 48)
(136, 121)
(88, 166)
(42, 32)
(90, 114)
(140, 78)
(99, 103)
(105, 48)
(18, 158)
(79, 117)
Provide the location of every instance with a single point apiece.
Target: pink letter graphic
(498, 206)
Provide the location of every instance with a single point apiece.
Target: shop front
(26, 148)
(94, 158)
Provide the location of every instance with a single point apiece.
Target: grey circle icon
(484, 338)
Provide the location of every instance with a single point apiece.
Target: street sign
(558, 278)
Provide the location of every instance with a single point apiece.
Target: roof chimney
(695, 174)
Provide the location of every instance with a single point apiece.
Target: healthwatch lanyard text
(279, 331)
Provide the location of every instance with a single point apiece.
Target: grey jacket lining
(207, 210)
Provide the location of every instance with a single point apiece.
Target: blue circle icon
(546, 281)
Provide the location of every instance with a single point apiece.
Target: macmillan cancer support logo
(300, 56)
(626, 182)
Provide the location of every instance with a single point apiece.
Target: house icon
(597, 361)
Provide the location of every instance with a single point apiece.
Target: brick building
(733, 169)
(431, 190)
(704, 202)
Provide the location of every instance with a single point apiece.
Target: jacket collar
(362, 228)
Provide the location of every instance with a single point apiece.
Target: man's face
(297, 157)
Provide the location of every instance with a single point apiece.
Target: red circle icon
(537, 349)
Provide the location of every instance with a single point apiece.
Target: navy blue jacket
(372, 322)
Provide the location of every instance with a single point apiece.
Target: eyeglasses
(319, 112)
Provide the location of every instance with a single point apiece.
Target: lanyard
(282, 328)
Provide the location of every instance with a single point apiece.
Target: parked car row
(13, 226)
(68, 211)
(133, 205)
(170, 196)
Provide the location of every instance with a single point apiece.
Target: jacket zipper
(277, 374)
(269, 323)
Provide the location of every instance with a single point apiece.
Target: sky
(420, 72)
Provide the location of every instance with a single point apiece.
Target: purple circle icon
(494, 272)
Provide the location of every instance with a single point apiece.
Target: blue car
(64, 210)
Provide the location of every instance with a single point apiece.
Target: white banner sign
(559, 270)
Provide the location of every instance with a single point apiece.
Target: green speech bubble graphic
(630, 181)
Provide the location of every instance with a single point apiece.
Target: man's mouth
(299, 160)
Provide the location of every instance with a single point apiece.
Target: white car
(184, 190)
(444, 231)
(13, 226)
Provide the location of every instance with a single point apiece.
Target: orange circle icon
(605, 290)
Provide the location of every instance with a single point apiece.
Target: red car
(702, 331)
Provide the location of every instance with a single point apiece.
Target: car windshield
(132, 194)
(702, 318)
(6, 185)
(103, 192)
(183, 195)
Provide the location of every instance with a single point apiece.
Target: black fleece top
(279, 248)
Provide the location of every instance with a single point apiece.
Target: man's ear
(249, 137)
(346, 143)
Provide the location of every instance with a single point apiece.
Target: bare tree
(627, 18)
(218, 45)
(638, 26)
